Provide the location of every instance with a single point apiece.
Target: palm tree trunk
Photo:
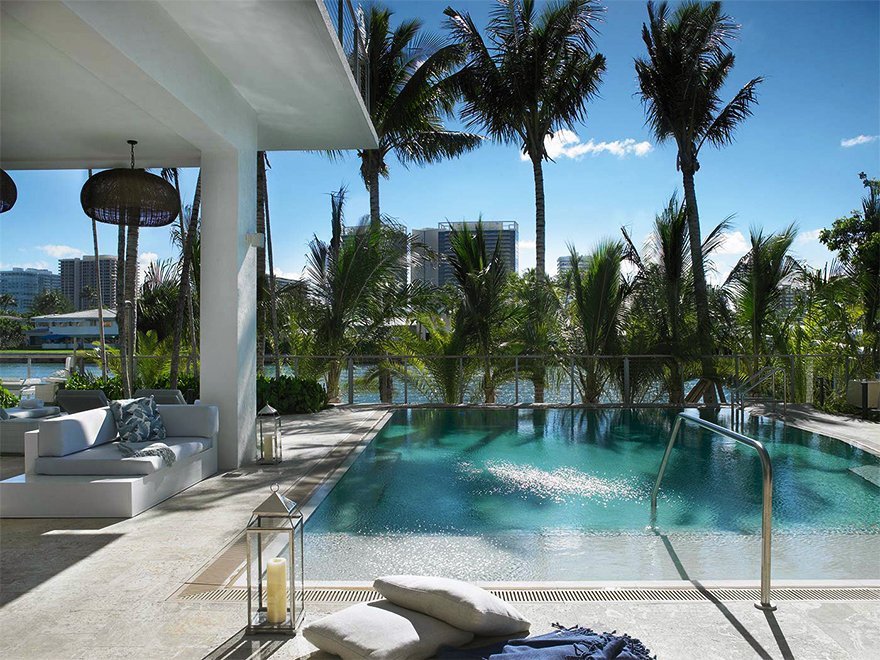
(131, 267)
(701, 296)
(539, 216)
(372, 180)
(100, 297)
(539, 383)
(185, 292)
(122, 337)
(261, 259)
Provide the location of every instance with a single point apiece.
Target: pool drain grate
(646, 595)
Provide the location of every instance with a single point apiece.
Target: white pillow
(382, 631)
(457, 603)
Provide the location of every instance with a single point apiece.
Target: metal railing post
(29, 367)
(516, 379)
(296, 366)
(350, 381)
(571, 378)
(461, 375)
(627, 395)
(766, 494)
(340, 27)
(405, 382)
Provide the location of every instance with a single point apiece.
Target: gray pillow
(382, 631)
(137, 420)
(457, 603)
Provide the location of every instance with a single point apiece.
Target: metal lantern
(130, 197)
(275, 566)
(268, 436)
(8, 192)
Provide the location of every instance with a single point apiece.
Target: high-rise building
(505, 234)
(400, 238)
(25, 284)
(425, 266)
(563, 264)
(78, 281)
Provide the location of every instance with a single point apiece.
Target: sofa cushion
(382, 631)
(108, 460)
(137, 420)
(199, 420)
(61, 436)
(458, 603)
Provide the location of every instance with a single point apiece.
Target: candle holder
(268, 436)
(275, 573)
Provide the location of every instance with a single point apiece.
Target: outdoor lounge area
(355, 439)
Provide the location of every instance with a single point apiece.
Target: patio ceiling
(79, 78)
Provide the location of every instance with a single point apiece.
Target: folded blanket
(565, 644)
(134, 450)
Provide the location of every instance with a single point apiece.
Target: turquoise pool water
(565, 495)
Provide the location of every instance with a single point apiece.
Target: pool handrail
(767, 492)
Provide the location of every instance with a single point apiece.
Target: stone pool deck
(106, 588)
(858, 432)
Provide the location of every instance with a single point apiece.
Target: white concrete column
(229, 299)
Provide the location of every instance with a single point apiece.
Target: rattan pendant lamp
(8, 192)
(130, 197)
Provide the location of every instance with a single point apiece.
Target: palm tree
(354, 288)
(7, 302)
(409, 94)
(187, 234)
(531, 76)
(680, 81)
(597, 292)
(757, 280)
(663, 291)
(482, 280)
(537, 329)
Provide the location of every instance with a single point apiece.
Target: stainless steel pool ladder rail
(740, 392)
(767, 493)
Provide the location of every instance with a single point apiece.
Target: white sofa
(73, 468)
(18, 421)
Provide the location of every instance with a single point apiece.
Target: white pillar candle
(276, 590)
(268, 447)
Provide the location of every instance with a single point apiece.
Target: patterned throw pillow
(137, 420)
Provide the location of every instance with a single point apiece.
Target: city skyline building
(25, 284)
(78, 275)
(438, 244)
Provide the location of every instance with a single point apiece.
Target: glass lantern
(268, 436)
(275, 566)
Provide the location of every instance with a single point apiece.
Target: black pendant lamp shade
(8, 192)
(130, 197)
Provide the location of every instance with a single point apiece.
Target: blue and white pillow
(137, 420)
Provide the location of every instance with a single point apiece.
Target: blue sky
(790, 161)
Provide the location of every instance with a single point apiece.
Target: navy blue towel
(565, 644)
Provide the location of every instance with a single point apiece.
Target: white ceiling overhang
(77, 79)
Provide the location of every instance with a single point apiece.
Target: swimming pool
(558, 495)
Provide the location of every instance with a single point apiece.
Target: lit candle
(276, 590)
(268, 447)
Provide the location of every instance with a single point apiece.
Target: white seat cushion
(458, 603)
(107, 460)
(382, 631)
(33, 413)
(60, 436)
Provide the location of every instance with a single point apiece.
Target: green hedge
(110, 386)
(289, 394)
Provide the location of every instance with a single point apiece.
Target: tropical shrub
(7, 399)
(188, 384)
(289, 394)
(111, 386)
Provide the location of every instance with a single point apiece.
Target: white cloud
(733, 242)
(527, 245)
(61, 251)
(288, 275)
(808, 236)
(144, 261)
(857, 140)
(567, 144)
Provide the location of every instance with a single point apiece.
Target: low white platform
(51, 496)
